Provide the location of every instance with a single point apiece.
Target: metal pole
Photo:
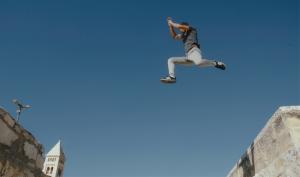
(18, 114)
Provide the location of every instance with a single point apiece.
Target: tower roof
(56, 150)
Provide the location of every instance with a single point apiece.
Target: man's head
(185, 24)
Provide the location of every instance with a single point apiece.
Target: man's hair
(184, 23)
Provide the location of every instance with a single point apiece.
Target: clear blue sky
(91, 71)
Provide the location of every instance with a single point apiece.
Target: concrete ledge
(274, 150)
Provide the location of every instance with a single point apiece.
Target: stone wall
(275, 152)
(20, 153)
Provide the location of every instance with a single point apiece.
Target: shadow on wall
(248, 165)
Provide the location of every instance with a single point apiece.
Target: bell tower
(54, 162)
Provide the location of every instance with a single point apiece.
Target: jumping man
(192, 50)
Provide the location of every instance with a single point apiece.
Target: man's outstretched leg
(171, 78)
(209, 63)
(196, 56)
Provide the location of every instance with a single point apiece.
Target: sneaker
(168, 80)
(220, 65)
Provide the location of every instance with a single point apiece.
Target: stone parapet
(20, 153)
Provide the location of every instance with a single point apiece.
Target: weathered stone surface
(7, 135)
(11, 122)
(20, 154)
(275, 152)
(18, 129)
(30, 150)
(288, 164)
(39, 161)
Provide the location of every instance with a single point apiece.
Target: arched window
(51, 170)
(47, 171)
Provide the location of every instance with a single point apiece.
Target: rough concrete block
(18, 129)
(30, 150)
(275, 152)
(39, 161)
(31, 165)
(7, 135)
(10, 171)
(29, 174)
(26, 135)
(9, 120)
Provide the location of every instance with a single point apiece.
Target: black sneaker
(220, 65)
(168, 80)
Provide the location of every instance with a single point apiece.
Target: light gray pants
(193, 57)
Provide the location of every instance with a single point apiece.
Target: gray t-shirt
(189, 38)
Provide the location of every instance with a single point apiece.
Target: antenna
(20, 107)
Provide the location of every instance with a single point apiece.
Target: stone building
(55, 160)
(21, 155)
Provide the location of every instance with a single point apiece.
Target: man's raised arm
(177, 25)
(171, 28)
(172, 31)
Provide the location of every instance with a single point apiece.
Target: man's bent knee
(171, 60)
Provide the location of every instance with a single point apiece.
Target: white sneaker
(168, 80)
(220, 65)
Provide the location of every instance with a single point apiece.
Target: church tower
(54, 162)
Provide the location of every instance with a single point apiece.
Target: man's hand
(176, 25)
